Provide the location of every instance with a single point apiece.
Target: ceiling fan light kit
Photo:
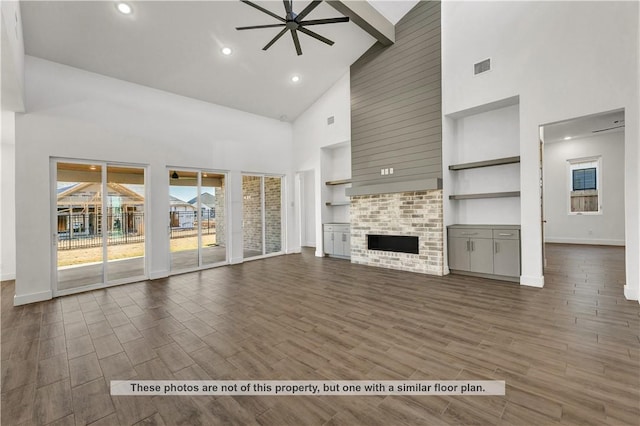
(294, 23)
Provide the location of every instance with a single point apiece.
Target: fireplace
(395, 243)
(398, 230)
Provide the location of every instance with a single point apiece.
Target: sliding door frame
(53, 179)
(199, 172)
(283, 216)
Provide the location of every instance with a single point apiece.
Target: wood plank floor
(570, 352)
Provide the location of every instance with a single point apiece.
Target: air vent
(482, 66)
(331, 120)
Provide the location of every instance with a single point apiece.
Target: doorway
(197, 219)
(582, 194)
(98, 240)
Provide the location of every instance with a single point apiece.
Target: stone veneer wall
(273, 213)
(407, 213)
(218, 204)
(251, 213)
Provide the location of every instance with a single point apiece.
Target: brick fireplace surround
(406, 213)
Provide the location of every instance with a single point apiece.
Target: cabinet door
(328, 242)
(481, 255)
(459, 254)
(347, 244)
(506, 258)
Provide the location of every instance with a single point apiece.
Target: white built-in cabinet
(337, 240)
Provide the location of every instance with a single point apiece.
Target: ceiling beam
(368, 18)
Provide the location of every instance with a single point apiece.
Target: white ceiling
(175, 46)
(584, 126)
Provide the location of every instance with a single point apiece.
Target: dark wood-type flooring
(569, 352)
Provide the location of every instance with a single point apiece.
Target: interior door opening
(582, 189)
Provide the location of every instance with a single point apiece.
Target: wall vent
(331, 120)
(482, 66)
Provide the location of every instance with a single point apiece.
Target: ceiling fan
(294, 22)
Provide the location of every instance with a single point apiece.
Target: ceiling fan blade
(315, 35)
(325, 21)
(260, 26)
(262, 9)
(307, 10)
(287, 7)
(296, 41)
(280, 34)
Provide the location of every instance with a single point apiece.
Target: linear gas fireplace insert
(395, 243)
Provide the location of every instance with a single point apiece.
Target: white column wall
(7, 198)
(564, 60)
(77, 114)
(311, 133)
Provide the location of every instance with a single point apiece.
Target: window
(584, 186)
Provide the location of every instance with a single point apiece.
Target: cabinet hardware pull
(472, 246)
(504, 234)
(468, 246)
(495, 243)
(469, 233)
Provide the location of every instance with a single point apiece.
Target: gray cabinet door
(506, 258)
(481, 257)
(346, 244)
(328, 242)
(459, 254)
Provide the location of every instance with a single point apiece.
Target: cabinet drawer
(470, 233)
(328, 228)
(506, 234)
(341, 228)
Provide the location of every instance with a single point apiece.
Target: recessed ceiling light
(295, 78)
(124, 8)
(567, 138)
(226, 51)
(92, 167)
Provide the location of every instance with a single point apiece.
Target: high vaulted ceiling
(176, 46)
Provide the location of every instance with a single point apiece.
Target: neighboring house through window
(585, 188)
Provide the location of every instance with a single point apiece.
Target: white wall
(12, 53)
(76, 114)
(606, 228)
(564, 60)
(309, 209)
(311, 133)
(7, 197)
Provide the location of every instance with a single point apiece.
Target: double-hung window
(585, 179)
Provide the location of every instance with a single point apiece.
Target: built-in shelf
(486, 163)
(485, 195)
(337, 203)
(338, 182)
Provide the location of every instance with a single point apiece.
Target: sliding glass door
(99, 240)
(261, 215)
(196, 219)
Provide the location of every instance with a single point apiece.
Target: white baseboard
(24, 299)
(532, 281)
(236, 260)
(158, 274)
(319, 253)
(8, 277)
(446, 271)
(630, 293)
(294, 251)
(592, 241)
(310, 245)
